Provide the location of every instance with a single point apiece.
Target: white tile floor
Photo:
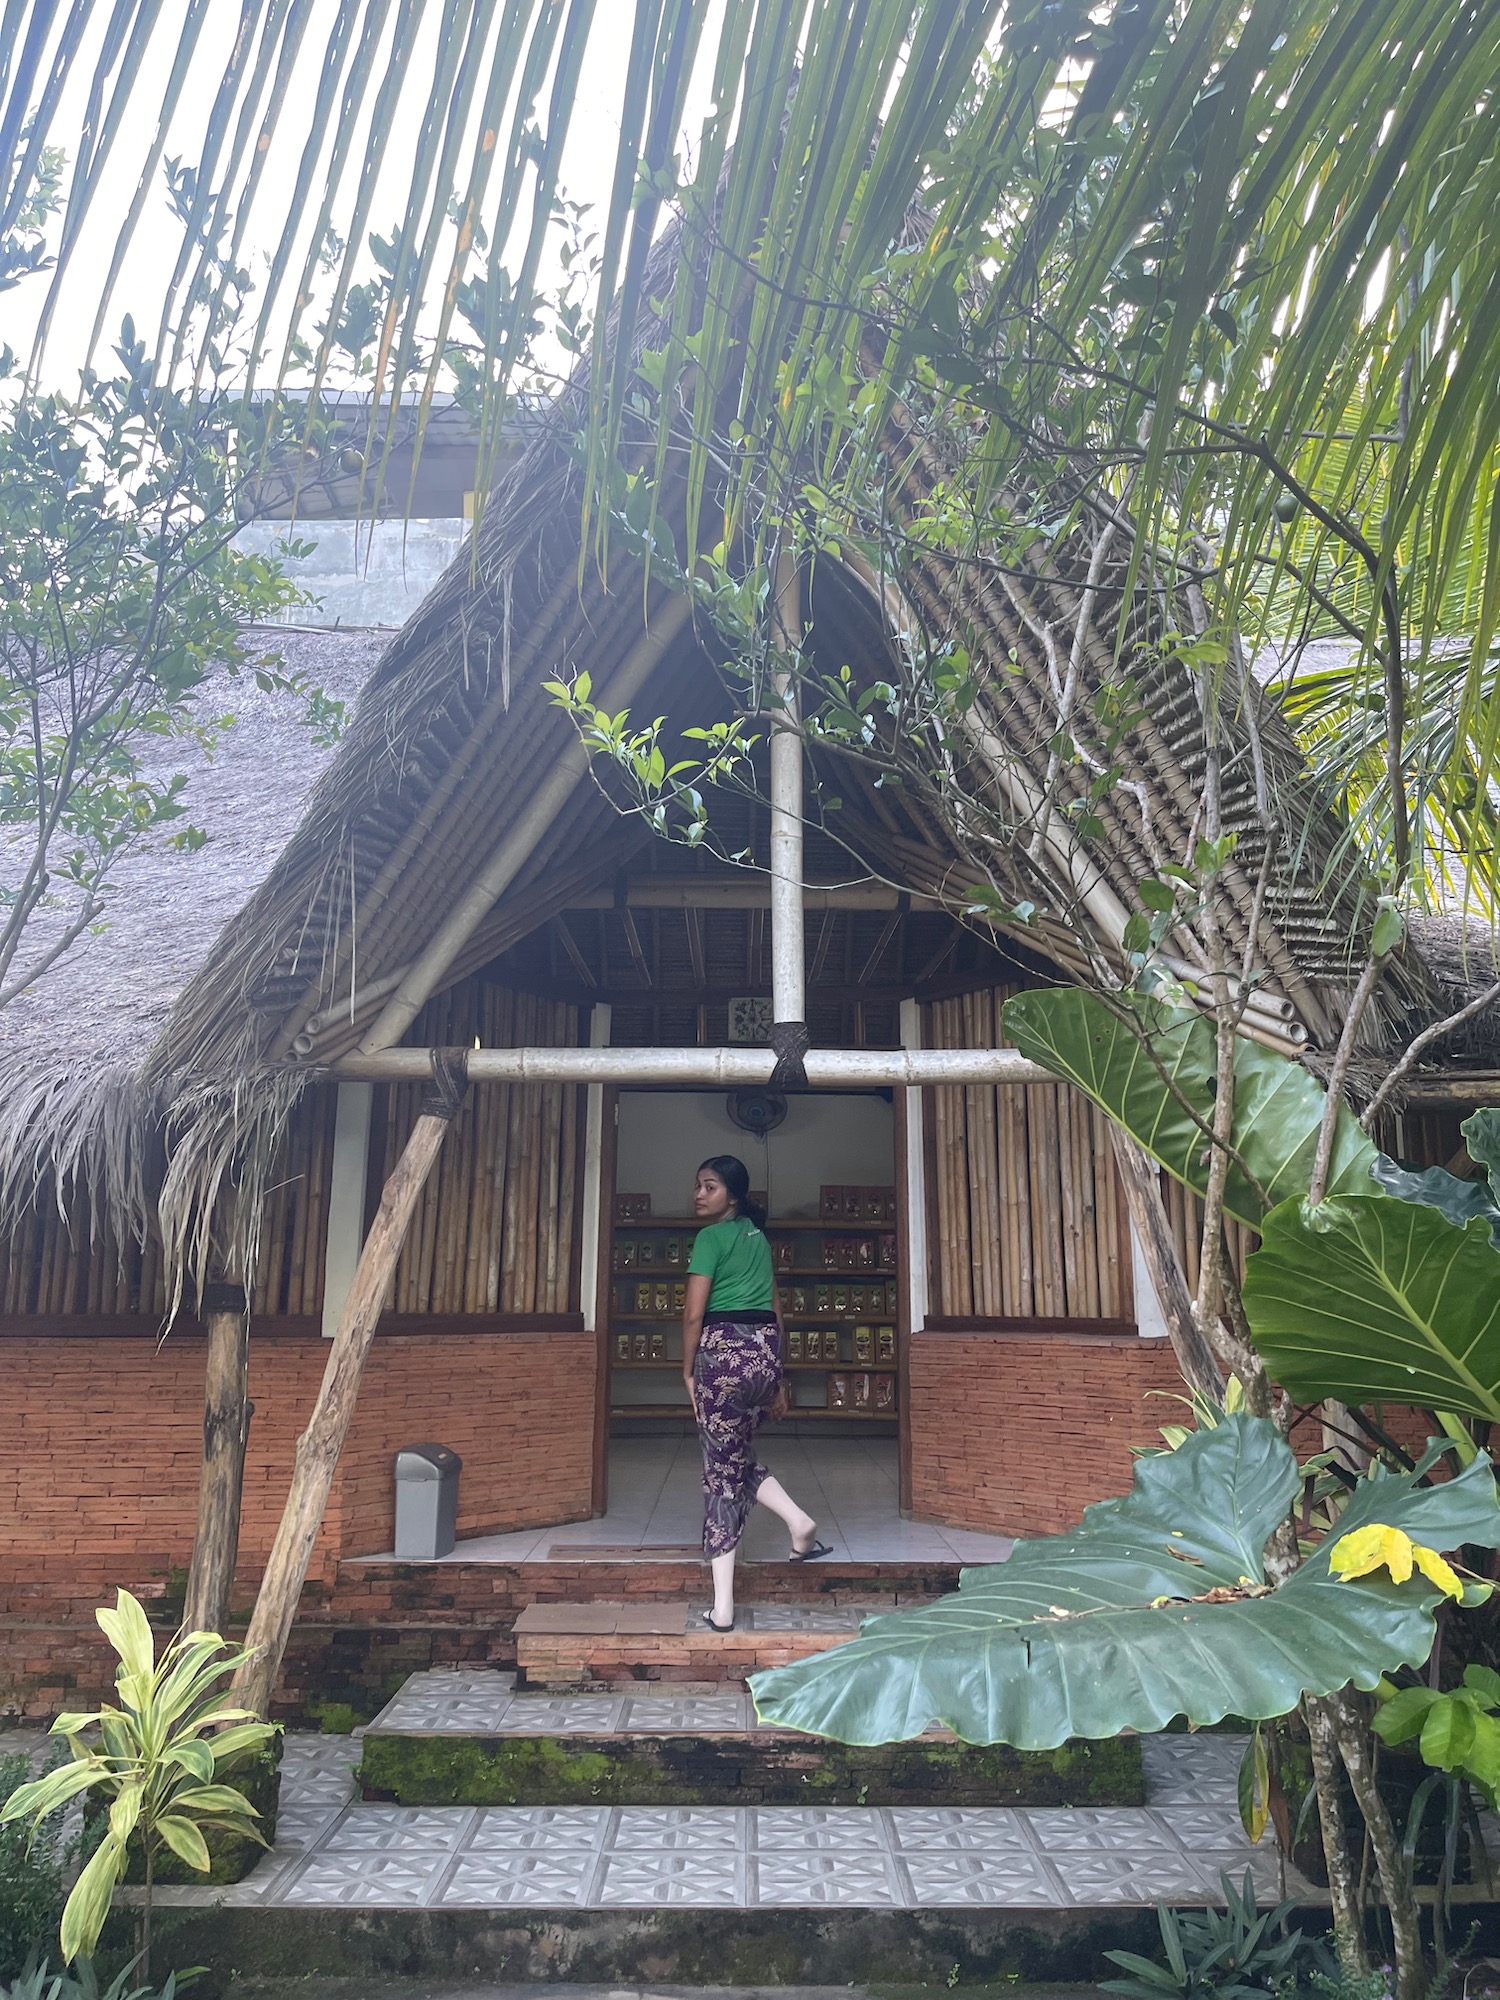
(656, 1500)
(333, 1852)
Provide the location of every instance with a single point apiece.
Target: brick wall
(1015, 1434)
(100, 1443)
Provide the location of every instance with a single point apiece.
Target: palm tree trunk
(226, 1428)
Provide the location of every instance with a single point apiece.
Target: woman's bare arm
(698, 1289)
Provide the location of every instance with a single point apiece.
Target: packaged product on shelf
(632, 1207)
(661, 1300)
(643, 1298)
(877, 1204)
(830, 1253)
(888, 1250)
(854, 1204)
(658, 1347)
(821, 1296)
(812, 1344)
(645, 1252)
(864, 1345)
(642, 1210)
(786, 1253)
(794, 1344)
(674, 1251)
(863, 1393)
(830, 1203)
(625, 1254)
(622, 1347)
(885, 1344)
(838, 1392)
(639, 1348)
(841, 1298)
(864, 1253)
(891, 1304)
(799, 1299)
(885, 1392)
(679, 1300)
(833, 1344)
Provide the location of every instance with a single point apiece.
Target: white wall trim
(1150, 1321)
(346, 1198)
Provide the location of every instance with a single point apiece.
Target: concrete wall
(834, 1139)
(362, 573)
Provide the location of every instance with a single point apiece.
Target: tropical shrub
(1234, 1953)
(40, 1982)
(158, 1759)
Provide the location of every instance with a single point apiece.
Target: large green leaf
(1139, 1062)
(1376, 1300)
(1457, 1200)
(1106, 1628)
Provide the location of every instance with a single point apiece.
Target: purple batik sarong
(736, 1374)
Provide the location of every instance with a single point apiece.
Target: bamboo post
(320, 1444)
(1199, 1368)
(221, 1480)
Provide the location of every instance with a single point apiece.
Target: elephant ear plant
(1193, 1596)
(158, 1759)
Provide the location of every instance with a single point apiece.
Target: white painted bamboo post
(320, 1444)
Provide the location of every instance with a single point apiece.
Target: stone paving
(334, 1852)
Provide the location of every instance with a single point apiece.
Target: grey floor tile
(847, 1880)
(501, 1829)
(560, 1877)
(1005, 1878)
(563, 1715)
(384, 1829)
(300, 1827)
(686, 1712)
(721, 1829)
(364, 1881)
(649, 1877)
(994, 1829)
(1098, 1829)
(793, 1830)
(437, 1714)
(1199, 1826)
(1132, 1878)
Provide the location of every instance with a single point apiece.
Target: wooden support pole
(320, 1444)
(226, 1428)
(1200, 1369)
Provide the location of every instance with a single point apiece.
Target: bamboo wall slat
(1027, 1204)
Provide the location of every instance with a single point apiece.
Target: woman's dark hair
(736, 1177)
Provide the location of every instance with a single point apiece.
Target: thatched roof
(311, 922)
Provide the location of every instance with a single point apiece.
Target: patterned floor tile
(1133, 1878)
(1198, 1826)
(508, 1828)
(1191, 1770)
(995, 1829)
(780, 1829)
(685, 1712)
(798, 1618)
(1103, 1829)
(468, 1714)
(312, 1785)
(380, 1829)
(364, 1881)
(300, 1827)
(1020, 1880)
(562, 1715)
(557, 1877)
(646, 1878)
(721, 1828)
(847, 1879)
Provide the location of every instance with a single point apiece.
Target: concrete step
(616, 1644)
(475, 1739)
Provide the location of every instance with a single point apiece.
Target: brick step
(475, 1739)
(604, 1644)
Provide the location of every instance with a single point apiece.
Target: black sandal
(811, 1555)
(708, 1619)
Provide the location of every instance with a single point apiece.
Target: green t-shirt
(736, 1256)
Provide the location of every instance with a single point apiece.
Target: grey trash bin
(426, 1501)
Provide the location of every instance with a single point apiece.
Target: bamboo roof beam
(827, 1069)
(515, 848)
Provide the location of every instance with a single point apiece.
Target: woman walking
(731, 1362)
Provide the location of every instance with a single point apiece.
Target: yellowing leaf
(1376, 1546)
(1432, 1566)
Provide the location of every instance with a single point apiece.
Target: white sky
(588, 166)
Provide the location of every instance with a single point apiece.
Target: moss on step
(755, 1768)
